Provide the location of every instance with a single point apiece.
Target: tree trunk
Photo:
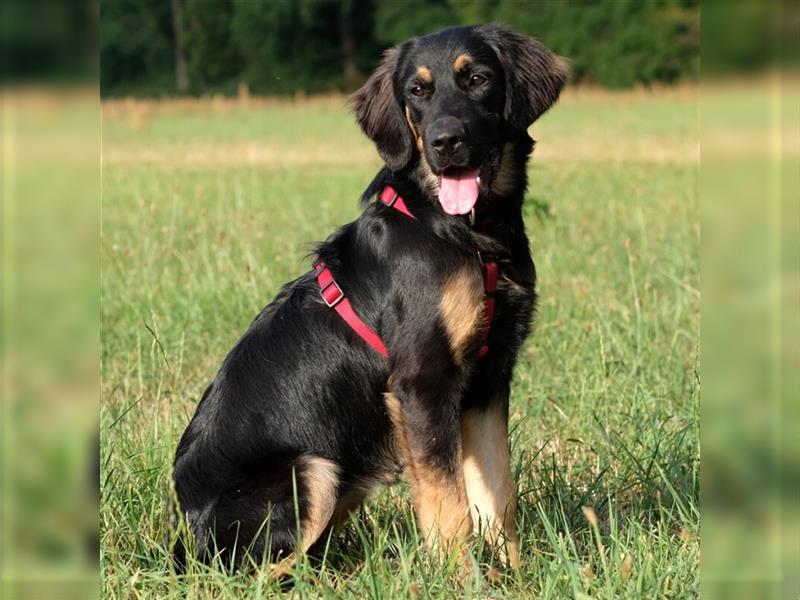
(181, 74)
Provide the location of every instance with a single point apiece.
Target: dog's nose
(447, 136)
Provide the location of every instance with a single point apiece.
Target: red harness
(334, 297)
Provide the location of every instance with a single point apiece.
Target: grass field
(209, 206)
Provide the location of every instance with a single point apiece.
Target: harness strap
(489, 288)
(389, 197)
(334, 297)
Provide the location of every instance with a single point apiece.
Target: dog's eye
(477, 80)
(418, 90)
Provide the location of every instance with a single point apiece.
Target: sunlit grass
(605, 399)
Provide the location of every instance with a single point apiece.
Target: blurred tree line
(154, 47)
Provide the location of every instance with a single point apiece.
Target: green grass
(208, 208)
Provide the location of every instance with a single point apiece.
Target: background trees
(286, 46)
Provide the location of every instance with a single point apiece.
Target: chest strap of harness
(335, 298)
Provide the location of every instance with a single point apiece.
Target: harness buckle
(332, 301)
(391, 202)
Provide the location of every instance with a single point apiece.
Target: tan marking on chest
(461, 309)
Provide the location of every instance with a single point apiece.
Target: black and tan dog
(315, 405)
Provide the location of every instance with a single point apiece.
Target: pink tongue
(458, 193)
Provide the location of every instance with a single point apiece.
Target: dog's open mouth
(458, 190)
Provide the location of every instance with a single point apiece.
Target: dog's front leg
(429, 375)
(428, 440)
(487, 473)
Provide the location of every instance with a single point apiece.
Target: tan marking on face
(414, 130)
(321, 480)
(427, 176)
(424, 73)
(461, 61)
(461, 309)
(487, 478)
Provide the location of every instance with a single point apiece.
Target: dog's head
(456, 97)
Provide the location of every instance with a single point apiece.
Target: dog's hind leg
(256, 520)
(319, 480)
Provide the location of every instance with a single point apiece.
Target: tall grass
(208, 208)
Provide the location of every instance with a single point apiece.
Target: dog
(394, 354)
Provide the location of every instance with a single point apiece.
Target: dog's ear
(380, 115)
(534, 74)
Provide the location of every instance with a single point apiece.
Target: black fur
(301, 383)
